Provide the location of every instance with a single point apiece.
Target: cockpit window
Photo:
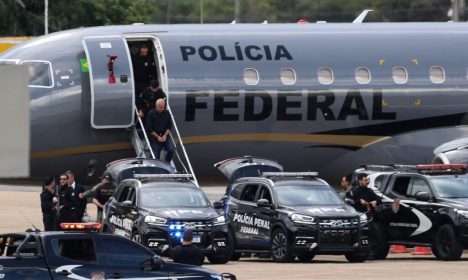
(40, 73)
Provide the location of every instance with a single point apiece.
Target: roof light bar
(441, 168)
(163, 176)
(290, 174)
(80, 226)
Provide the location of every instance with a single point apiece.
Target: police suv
(289, 214)
(155, 209)
(433, 208)
(80, 255)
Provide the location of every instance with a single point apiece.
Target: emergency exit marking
(105, 45)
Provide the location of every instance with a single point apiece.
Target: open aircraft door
(111, 78)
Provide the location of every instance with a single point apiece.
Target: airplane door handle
(115, 276)
(234, 210)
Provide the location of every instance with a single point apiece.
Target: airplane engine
(455, 151)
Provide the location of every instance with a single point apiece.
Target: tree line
(26, 17)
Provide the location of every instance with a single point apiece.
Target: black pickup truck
(77, 255)
(422, 205)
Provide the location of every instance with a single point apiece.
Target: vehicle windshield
(172, 197)
(304, 195)
(451, 187)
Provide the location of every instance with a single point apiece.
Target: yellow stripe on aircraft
(345, 140)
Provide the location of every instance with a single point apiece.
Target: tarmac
(20, 209)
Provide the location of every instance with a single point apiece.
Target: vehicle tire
(378, 242)
(136, 236)
(358, 256)
(307, 257)
(226, 256)
(280, 247)
(447, 246)
(236, 256)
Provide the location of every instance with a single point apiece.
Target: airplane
(323, 97)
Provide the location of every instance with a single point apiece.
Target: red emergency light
(442, 168)
(80, 226)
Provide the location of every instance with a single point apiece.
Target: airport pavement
(20, 208)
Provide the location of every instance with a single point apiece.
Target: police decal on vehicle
(122, 223)
(71, 275)
(181, 211)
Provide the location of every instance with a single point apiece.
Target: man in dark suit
(76, 189)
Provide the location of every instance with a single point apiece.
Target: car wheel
(447, 246)
(236, 256)
(136, 236)
(307, 257)
(378, 242)
(360, 255)
(226, 254)
(280, 248)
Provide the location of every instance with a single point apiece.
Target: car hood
(342, 210)
(183, 213)
(461, 203)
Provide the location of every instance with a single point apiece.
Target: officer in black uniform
(48, 201)
(148, 98)
(188, 253)
(100, 193)
(365, 200)
(144, 70)
(67, 205)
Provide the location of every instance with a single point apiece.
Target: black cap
(143, 46)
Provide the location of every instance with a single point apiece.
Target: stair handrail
(144, 134)
(174, 125)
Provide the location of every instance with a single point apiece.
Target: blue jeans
(158, 146)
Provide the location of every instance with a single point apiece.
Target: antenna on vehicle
(362, 16)
(29, 221)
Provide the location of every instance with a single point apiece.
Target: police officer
(100, 193)
(148, 98)
(48, 201)
(67, 205)
(76, 189)
(144, 69)
(365, 200)
(346, 187)
(188, 253)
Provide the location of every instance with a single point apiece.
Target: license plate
(196, 239)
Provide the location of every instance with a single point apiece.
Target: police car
(75, 254)
(433, 209)
(289, 214)
(155, 209)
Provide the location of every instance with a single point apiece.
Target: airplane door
(111, 78)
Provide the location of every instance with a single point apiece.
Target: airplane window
(288, 76)
(9, 61)
(325, 76)
(251, 76)
(363, 75)
(400, 75)
(40, 73)
(437, 75)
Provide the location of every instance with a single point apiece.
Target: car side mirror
(156, 262)
(423, 196)
(127, 204)
(263, 203)
(349, 201)
(218, 204)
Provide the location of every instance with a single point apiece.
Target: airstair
(141, 144)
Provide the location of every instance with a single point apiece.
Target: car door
(263, 216)
(118, 216)
(423, 210)
(242, 215)
(74, 257)
(125, 259)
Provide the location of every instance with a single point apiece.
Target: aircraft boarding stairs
(140, 142)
